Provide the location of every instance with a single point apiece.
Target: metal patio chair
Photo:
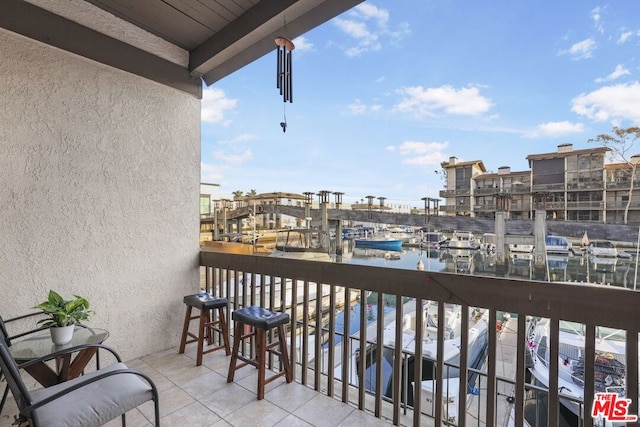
(7, 338)
(87, 401)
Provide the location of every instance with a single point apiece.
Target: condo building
(572, 185)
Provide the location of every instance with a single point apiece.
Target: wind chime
(284, 73)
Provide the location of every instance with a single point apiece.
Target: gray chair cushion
(93, 404)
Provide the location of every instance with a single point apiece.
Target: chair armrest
(93, 379)
(69, 350)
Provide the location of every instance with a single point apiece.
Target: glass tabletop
(39, 344)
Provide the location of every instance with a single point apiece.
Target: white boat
(463, 240)
(433, 240)
(307, 244)
(478, 338)
(609, 363)
(602, 249)
(488, 242)
(521, 249)
(557, 245)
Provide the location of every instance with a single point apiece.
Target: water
(568, 268)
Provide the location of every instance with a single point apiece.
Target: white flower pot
(61, 335)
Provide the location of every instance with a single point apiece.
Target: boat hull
(390, 245)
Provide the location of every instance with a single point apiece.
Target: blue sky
(388, 90)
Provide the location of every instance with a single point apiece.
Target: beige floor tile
(204, 385)
(194, 415)
(323, 411)
(361, 418)
(257, 413)
(183, 375)
(170, 401)
(228, 399)
(292, 421)
(290, 396)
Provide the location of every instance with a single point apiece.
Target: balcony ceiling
(179, 43)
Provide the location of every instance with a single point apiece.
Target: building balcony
(619, 185)
(548, 187)
(623, 205)
(335, 388)
(487, 190)
(338, 374)
(461, 192)
(484, 208)
(585, 205)
(590, 185)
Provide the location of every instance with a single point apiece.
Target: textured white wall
(99, 193)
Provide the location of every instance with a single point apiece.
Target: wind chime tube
(279, 67)
(289, 78)
(285, 76)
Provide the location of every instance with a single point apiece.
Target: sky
(385, 92)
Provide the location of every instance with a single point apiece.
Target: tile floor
(199, 396)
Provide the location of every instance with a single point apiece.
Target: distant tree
(620, 142)
(237, 194)
(252, 193)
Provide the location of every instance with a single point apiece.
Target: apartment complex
(573, 185)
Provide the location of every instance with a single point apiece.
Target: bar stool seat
(261, 321)
(207, 305)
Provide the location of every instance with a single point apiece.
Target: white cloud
(358, 108)
(421, 153)
(610, 103)
(425, 102)
(214, 106)
(581, 50)
(368, 25)
(596, 16)
(210, 173)
(618, 72)
(554, 129)
(302, 45)
(238, 139)
(624, 37)
(236, 158)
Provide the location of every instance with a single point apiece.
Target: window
(205, 204)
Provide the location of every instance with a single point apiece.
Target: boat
(307, 244)
(452, 322)
(488, 242)
(463, 240)
(602, 249)
(433, 240)
(521, 249)
(609, 364)
(386, 243)
(557, 245)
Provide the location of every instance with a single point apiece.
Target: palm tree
(620, 143)
(237, 194)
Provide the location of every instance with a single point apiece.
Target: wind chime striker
(284, 73)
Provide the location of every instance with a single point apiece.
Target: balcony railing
(486, 190)
(594, 204)
(375, 300)
(548, 187)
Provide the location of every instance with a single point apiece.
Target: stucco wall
(99, 187)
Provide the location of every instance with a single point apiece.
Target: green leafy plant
(61, 312)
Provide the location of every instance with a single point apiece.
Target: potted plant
(63, 315)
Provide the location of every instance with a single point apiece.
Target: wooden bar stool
(206, 304)
(261, 321)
